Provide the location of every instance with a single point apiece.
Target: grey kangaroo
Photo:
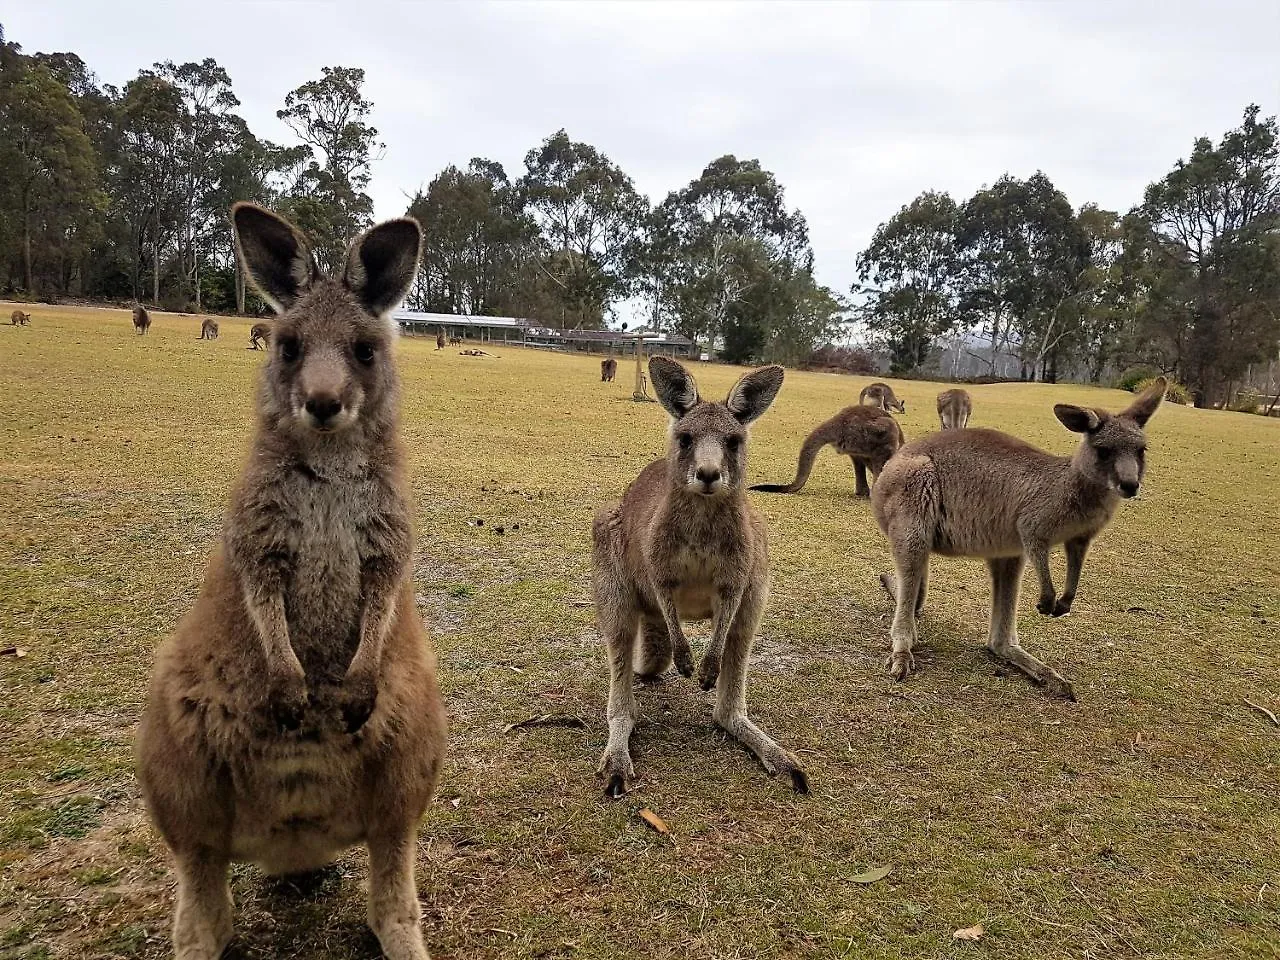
(608, 369)
(954, 409)
(19, 319)
(141, 319)
(259, 336)
(982, 493)
(881, 395)
(295, 711)
(684, 544)
(208, 329)
(866, 435)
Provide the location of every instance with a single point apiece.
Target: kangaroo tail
(824, 434)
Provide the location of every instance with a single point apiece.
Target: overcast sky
(856, 107)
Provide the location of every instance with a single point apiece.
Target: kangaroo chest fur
(701, 551)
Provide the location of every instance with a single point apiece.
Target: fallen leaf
(546, 720)
(969, 933)
(655, 821)
(872, 875)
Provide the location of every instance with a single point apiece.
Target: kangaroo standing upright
(881, 395)
(141, 319)
(954, 409)
(866, 435)
(982, 493)
(684, 544)
(295, 712)
(608, 369)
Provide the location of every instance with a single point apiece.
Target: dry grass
(1141, 821)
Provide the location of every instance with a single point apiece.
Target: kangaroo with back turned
(295, 711)
(684, 544)
(881, 395)
(141, 319)
(866, 435)
(954, 409)
(982, 493)
(608, 369)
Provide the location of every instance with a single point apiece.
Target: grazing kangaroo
(608, 369)
(209, 329)
(454, 341)
(259, 336)
(866, 435)
(881, 395)
(295, 711)
(982, 493)
(141, 319)
(19, 319)
(954, 409)
(684, 544)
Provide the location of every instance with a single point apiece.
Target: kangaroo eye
(1104, 453)
(685, 440)
(290, 349)
(364, 352)
(733, 443)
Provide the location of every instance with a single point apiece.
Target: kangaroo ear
(1141, 409)
(751, 396)
(382, 264)
(676, 389)
(274, 255)
(1077, 419)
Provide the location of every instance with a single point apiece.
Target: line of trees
(1020, 283)
(121, 194)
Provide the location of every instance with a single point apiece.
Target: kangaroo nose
(1128, 488)
(707, 476)
(323, 408)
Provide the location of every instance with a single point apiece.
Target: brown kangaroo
(684, 544)
(19, 319)
(954, 409)
(440, 339)
(881, 395)
(209, 329)
(866, 435)
(608, 369)
(982, 493)
(295, 711)
(259, 336)
(141, 319)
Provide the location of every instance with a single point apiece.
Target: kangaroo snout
(322, 409)
(709, 477)
(1128, 489)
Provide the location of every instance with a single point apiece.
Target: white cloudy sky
(856, 107)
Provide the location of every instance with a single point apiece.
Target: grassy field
(1142, 821)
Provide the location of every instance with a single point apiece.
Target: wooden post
(639, 392)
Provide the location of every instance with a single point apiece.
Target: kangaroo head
(330, 363)
(1113, 451)
(707, 448)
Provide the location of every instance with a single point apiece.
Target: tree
(1211, 253)
(589, 216)
(909, 275)
(328, 201)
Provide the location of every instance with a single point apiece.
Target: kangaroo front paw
(618, 771)
(1062, 607)
(684, 661)
(358, 698)
(708, 672)
(1045, 604)
(288, 699)
(890, 585)
(902, 663)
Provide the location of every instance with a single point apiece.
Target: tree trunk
(239, 287)
(26, 256)
(195, 272)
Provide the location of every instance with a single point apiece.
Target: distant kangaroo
(295, 711)
(19, 319)
(608, 369)
(954, 409)
(881, 395)
(141, 319)
(439, 339)
(209, 329)
(866, 435)
(982, 493)
(259, 336)
(684, 544)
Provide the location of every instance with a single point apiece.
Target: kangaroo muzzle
(327, 399)
(707, 473)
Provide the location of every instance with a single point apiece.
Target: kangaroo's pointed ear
(273, 254)
(751, 396)
(1145, 405)
(382, 264)
(1077, 419)
(675, 387)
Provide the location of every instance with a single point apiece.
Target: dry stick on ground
(1264, 711)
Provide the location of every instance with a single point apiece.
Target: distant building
(414, 323)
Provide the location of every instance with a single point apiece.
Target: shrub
(1133, 376)
(844, 359)
(1175, 391)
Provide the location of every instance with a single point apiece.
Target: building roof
(532, 330)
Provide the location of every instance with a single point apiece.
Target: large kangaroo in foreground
(866, 435)
(955, 407)
(684, 544)
(295, 710)
(881, 395)
(982, 493)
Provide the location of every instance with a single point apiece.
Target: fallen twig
(1264, 711)
(547, 720)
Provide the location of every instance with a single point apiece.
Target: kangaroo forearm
(266, 610)
(725, 616)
